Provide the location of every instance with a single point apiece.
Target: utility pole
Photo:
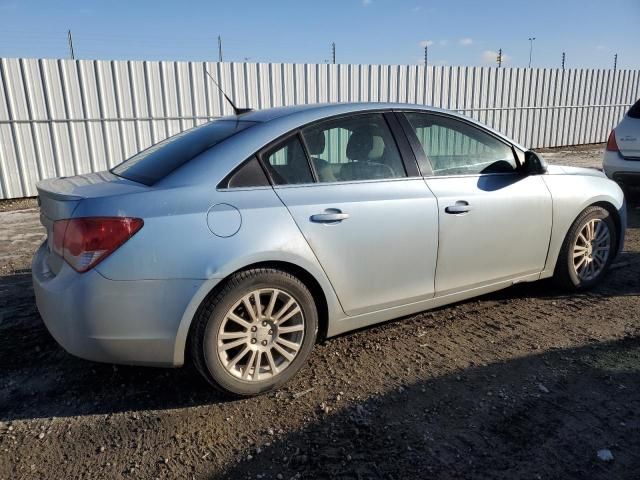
(333, 51)
(563, 59)
(499, 59)
(426, 54)
(531, 39)
(70, 40)
(615, 62)
(219, 48)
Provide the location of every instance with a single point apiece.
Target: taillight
(612, 145)
(85, 242)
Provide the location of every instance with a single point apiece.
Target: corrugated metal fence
(65, 117)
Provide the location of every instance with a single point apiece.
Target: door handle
(461, 206)
(330, 215)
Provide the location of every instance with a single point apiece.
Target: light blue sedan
(241, 242)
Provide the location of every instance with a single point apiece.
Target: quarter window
(250, 174)
(288, 163)
(456, 148)
(359, 147)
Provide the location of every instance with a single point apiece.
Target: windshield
(159, 160)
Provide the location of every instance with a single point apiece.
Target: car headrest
(377, 149)
(315, 141)
(359, 145)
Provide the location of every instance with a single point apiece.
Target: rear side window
(288, 163)
(156, 162)
(358, 147)
(634, 112)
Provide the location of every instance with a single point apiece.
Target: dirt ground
(525, 383)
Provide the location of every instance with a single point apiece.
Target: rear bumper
(92, 317)
(621, 170)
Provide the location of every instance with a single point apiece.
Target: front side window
(359, 147)
(455, 147)
(288, 163)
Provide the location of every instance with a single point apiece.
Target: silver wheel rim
(261, 334)
(591, 249)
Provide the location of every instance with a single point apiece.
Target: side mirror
(534, 164)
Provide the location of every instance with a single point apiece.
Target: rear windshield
(159, 160)
(634, 112)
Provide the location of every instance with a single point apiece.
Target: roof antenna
(236, 110)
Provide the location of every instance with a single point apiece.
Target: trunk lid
(58, 197)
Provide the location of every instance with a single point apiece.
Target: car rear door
(495, 221)
(364, 209)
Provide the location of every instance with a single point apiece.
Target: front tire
(255, 332)
(587, 251)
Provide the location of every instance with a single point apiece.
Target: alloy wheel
(261, 334)
(591, 249)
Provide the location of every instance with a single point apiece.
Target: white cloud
(490, 57)
(443, 43)
(465, 42)
(426, 43)
(366, 3)
(417, 8)
(601, 48)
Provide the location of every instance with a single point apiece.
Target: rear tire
(255, 332)
(588, 250)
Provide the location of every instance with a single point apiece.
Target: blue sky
(459, 32)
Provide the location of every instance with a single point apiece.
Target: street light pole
(531, 39)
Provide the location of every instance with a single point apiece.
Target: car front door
(495, 221)
(372, 226)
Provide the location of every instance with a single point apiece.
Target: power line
(219, 48)
(499, 59)
(615, 62)
(333, 51)
(563, 59)
(426, 55)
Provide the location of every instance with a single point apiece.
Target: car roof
(325, 109)
(298, 115)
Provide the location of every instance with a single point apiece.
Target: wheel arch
(618, 214)
(617, 219)
(212, 286)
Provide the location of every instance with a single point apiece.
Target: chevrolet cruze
(238, 243)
